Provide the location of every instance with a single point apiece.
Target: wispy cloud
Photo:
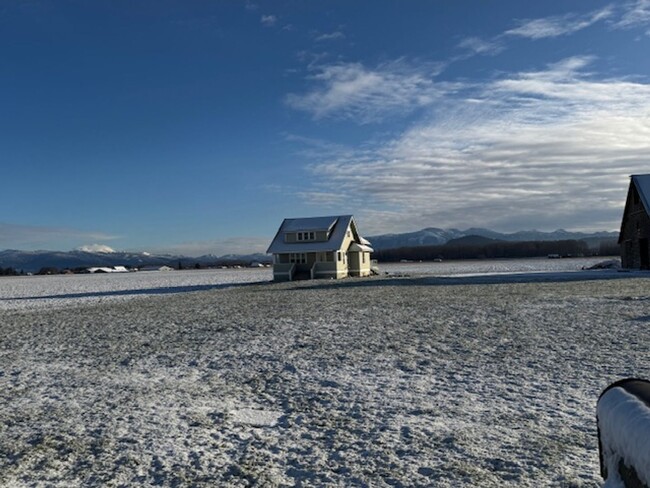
(551, 148)
(27, 237)
(634, 14)
(269, 20)
(332, 36)
(480, 46)
(558, 25)
(354, 91)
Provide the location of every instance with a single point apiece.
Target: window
(306, 236)
(297, 258)
(338, 256)
(363, 257)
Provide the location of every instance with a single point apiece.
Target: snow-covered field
(204, 380)
(30, 292)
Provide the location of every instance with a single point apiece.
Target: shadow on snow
(387, 280)
(166, 290)
(483, 279)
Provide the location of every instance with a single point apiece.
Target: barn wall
(634, 232)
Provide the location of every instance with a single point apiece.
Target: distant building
(634, 238)
(108, 269)
(156, 268)
(319, 247)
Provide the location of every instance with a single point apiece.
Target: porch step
(301, 275)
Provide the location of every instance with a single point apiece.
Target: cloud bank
(554, 147)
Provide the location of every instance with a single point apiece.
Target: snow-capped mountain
(89, 256)
(103, 248)
(432, 236)
(33, 261)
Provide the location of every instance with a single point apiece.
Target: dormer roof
(309, 224)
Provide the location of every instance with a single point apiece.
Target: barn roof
(642, 184)
(337, 225)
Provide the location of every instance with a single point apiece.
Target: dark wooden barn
(634, 238)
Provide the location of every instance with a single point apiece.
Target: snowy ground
(30, 292)
(391, 381)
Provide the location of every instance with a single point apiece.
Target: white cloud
(331, 36)
(635, 14)
(545, 149)
(558, 25)
(480, 46)
(353, 91)
(269, 20)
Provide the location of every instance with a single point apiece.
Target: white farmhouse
(319, 247)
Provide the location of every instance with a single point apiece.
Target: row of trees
(9, 272)
(499, 249)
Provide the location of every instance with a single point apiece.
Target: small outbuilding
(634, 237)
(108, 269)
(319, 247)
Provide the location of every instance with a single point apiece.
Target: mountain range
(433, 236)
(33, 261)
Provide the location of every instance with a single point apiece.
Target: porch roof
(361, 247)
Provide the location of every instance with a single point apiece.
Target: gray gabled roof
(642, 184)
(311, 223)
(336, 224)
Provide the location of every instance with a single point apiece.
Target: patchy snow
(96, 248)
(624, 423)
(256, 417)
(197, 379)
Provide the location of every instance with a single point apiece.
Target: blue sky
(196, 126)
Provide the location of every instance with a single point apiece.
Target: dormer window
(306, 236)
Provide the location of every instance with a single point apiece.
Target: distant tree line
(609, 248)
(492, 250)
(9, 272)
